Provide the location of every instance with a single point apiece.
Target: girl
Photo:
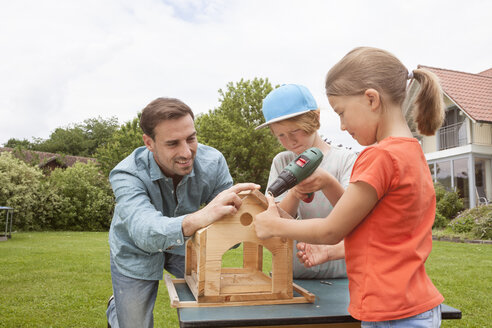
(293, 117)
(386, 213)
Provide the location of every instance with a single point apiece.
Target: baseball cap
(287, 101)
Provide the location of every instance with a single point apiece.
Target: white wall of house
(482, 133)
(429, 144)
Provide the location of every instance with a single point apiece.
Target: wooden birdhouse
(211, 283)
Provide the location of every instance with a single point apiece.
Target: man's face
(174, 146)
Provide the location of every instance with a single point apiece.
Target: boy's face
(174, 145)
(356, 117)
(292, 137)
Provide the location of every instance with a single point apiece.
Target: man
(159, 191)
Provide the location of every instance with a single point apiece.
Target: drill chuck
(284, 182)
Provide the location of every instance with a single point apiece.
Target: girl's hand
(297, 194)
(316, 181)
(266, 221)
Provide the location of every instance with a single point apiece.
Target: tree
(19, 144)
(79, 139)
(121, 144)
(230, 128)
(69, 140)
(99, 132)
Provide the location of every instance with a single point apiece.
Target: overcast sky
(62, 62)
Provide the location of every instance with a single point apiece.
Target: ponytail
(429, 107)
(364, 68)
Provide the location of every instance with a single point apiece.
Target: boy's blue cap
(285, 102)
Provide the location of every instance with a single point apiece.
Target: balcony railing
(453, 135)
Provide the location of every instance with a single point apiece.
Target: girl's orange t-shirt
(386, 252)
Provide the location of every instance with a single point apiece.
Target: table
(329, 310)
(9, 216)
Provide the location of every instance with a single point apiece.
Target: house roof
(486, 72)
(44, 158)
(471, 92)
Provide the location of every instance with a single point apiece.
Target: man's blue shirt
(148, 215)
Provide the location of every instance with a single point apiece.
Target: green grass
(62, 279)
(463, 274)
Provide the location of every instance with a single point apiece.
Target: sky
(62, 62)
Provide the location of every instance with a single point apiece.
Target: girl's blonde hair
(370, 68)
(307, 122)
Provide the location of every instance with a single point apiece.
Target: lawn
(62, 279)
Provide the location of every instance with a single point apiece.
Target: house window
(461, 179)
(432, 171)
(443, 174)
(453, 131)
(483, 179)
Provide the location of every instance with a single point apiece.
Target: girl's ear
(374, 98)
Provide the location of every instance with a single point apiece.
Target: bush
(22, 188)
(448, 205)
(462, 224)
(86, 198)
(483, 227)
(77, 198)
(475, 221)
(440, 221)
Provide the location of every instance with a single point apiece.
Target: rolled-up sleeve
(148, 228)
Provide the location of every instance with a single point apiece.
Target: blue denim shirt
(147, 217)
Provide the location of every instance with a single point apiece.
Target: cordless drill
(296, 171)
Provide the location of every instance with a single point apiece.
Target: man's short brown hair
(162, 109)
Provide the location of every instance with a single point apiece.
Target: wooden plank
(236, 300)
(200, 252)
(252, 256)
(193, 304)
(173, 295)
(192, 285)
(304, 292)
(256, 282)
(226, 271)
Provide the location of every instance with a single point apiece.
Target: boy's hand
(311, 255)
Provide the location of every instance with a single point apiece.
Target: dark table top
(331, 305)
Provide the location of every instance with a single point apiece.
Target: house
(460, 154)
(46, 161)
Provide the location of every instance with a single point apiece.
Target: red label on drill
(301, 162)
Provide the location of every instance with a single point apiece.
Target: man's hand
(225, 203)
(311, 255)
(265, 222)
